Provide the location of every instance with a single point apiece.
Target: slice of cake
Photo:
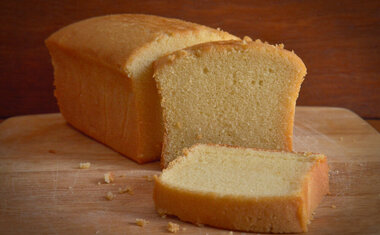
(103, 76)
(243, 189)
(239, 93)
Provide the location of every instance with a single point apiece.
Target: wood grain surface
(338, 41)
(43, 191)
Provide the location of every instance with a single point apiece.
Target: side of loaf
(103, 76)
(240, 93)
(243, 189)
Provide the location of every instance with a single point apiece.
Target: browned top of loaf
(229, 45)
(116, 39)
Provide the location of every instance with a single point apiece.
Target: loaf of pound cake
(243, 189)
(240, 93)
(103, 76)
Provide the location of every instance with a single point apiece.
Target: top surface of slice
(239, 171)
(120, 39)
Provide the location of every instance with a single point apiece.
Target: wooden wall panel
(338, 41)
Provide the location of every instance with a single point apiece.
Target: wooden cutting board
(43, 191)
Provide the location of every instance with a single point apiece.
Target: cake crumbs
(148, 178)
(173, 227)
(163, 216)
(231, 233)
(99, 183)
(333, 206)
(70, 188)
(110, 196)
(184, 229)
(141, 222)
(109, 177)
(126, 190)
(84, 165)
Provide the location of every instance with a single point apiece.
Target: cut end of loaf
(239, 93)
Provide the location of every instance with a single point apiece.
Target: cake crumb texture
(126, 189)
(173, 227)
(228, 92)
(109, 177)
(84, 165)
(110, 196)
(148, 178)
(141, 222)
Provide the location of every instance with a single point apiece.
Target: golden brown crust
(198, 49)
(85, 112)
(318, 181)
(277, 214)
(108, 39)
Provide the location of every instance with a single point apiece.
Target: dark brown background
(338, 41)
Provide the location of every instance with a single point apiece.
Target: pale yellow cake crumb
(126, 189)
(110, 196)
(84, 165)
(173, 227)
(141, 222)
(99, 183)
(109, 177)
(333, 206)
